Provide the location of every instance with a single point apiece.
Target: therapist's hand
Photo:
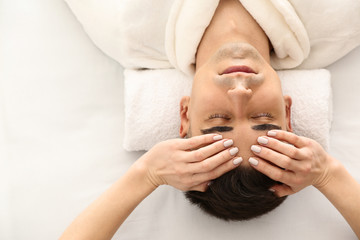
(189, 164)
(295, 161)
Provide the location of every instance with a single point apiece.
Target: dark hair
(241, 194)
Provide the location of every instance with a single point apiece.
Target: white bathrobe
(165, 33)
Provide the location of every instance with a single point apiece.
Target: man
(237, 94)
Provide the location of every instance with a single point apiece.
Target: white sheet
(61, 129)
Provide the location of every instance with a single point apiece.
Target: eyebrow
(261, 127)
(216, 129)
(265, 127)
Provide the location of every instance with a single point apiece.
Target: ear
(288, 103)
(184, 116)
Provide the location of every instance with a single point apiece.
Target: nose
(240, 90)
(240, 95)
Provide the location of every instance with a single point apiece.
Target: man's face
(238, 94)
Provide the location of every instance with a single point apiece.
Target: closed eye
(263, 115)
(223, 116)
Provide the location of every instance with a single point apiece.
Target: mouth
(236, 69)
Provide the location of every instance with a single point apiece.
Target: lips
(234, 69)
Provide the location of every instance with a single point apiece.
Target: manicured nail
(272, 190)
(255, 148)
(234, 151)
(253, 161)
(271, 133)
(228, 143)
(237, 161)
(217, 137)
(263, 140)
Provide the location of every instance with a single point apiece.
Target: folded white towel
(152, 106)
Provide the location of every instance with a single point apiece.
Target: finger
(282, 190)
(276, 158)
(210, 150)
(273, 172)
(214, 161)
(198, 141)
(281, 147)
(218, 171)
(289, 137)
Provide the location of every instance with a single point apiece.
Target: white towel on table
(152, 104)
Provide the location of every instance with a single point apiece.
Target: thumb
(281, 190)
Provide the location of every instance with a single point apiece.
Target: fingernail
(271, 133)
(217, 137)
(272, 190)
(234, 151)
(209, 183)
(237, 161)
(262, 140)
(228, 143)
(253, 161)
(255, 148)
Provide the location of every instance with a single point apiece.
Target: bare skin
(306, 163)
(186, 164)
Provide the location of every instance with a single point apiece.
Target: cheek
(208, 100)
(271, 99)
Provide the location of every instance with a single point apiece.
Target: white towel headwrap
(278, 18)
